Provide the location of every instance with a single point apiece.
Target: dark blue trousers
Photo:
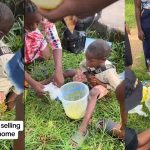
(145, 22)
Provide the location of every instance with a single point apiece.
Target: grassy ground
(9, 116)
(129, 13)
(47, 126)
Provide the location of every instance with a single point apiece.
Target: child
(101, 76)
(129, 95)
(36, 45)
(6, 22)
(12, 69)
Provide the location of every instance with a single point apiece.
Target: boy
(101, 75)
(6, 22)
(13, 70)
(129, 95)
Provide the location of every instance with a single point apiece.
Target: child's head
(6, 19)
(32, 16)
(96, 53)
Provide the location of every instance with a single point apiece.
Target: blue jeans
(15, 71)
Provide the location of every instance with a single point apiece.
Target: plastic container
(47, 4)
(74, 97)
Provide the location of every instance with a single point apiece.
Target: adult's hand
(79, 8)
(141, 35)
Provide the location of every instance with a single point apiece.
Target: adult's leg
(145, 22)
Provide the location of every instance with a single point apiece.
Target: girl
(36, 45)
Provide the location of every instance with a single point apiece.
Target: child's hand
(141, 35)
(38, 87)
(2, 97)
(93, 81)
(80, 77)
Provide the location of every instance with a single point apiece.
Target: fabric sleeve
(35, 43)
(112, 78)
(51, 34)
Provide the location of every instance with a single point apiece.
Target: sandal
(130, 139)
(77, 139)
(110, 128)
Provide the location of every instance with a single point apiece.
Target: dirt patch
(136, 47)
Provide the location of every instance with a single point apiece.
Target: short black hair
(100, 49)
(6, 18)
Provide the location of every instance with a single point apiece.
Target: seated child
(101, 75)
(6, 22)
(36, 45)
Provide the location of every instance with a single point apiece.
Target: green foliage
(130, 13)
(117, 55)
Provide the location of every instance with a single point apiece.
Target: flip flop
(108, 126)
(78, 139)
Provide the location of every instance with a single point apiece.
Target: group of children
(95, 70)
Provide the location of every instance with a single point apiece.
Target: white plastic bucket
(74, 97)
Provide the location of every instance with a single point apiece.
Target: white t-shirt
(5, 56)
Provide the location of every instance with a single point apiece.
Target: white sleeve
(112, 78)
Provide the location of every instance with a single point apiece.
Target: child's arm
(58, 75)
(38, 87)
(94, 81)
(54, 41)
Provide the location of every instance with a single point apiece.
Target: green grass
(47, 126)
(8, 116)
(129, 13)
(140, 71)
